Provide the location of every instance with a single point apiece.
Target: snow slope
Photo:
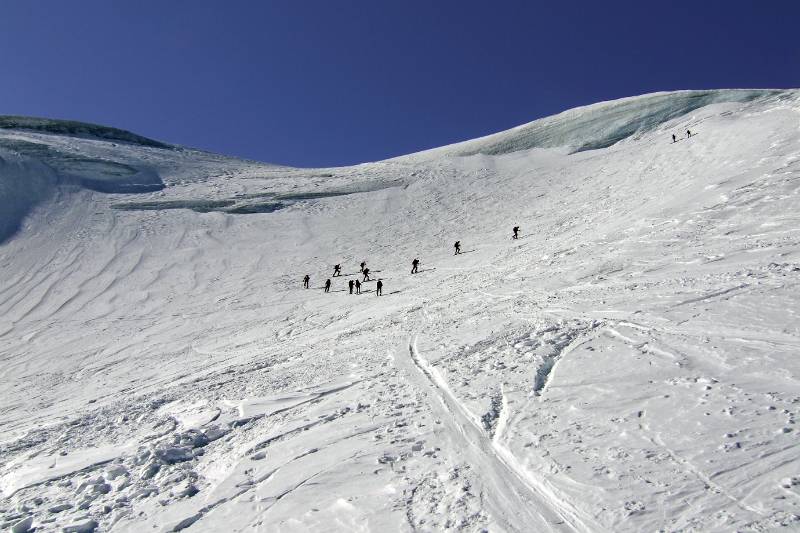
(629, 364)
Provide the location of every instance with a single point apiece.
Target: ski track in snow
(530, 492)
(628, 364)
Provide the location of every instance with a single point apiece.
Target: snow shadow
(240, 204)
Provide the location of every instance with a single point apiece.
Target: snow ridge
(163, 366)
(547, 502)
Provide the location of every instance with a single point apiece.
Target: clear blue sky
(317, 83)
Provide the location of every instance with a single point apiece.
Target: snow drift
(603, 124)
(628, 364)
(32, 166)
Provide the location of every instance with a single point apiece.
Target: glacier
(628, 364)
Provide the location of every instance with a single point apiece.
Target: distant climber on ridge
(378, 287)
(328, 285)
(366, 274)
(688, 134)
(350, 284)
(414, 265)
(674, 139)
(457, 246)
(358, 287)
(306, 280)
(337, 270)
(363, 265)
(516, 232)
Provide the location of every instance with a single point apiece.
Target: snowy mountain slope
(629, 364)
(35, 165)
(603, 124)
(73, 128)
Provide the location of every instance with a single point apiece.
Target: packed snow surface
(630, 363)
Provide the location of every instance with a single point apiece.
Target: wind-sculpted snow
(103, 175)
(31, 171)
(604, 124)
(23, 184)
(39, 165)
(73, 128)
(242, 204)
(628, 364)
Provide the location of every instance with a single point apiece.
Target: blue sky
(318, 83)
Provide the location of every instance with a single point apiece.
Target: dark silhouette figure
(337, 270)
(350, 284)
(688, 134)
(366, 274)
(358, 287)
(378, 287)
(328, 285)
(674, 139)
(414, 265)
(457, 246)
(516, 232)
(363, 264)
(305, 281)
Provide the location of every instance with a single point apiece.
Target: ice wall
(29, 172)
(23, 184)
(604, 124)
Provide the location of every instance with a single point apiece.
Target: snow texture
(628, 364)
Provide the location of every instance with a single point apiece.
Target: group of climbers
(688, 134)
(355, 285)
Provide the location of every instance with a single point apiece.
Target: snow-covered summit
(72, 128)
(628, 364)
(38, 154)
(603, 124)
